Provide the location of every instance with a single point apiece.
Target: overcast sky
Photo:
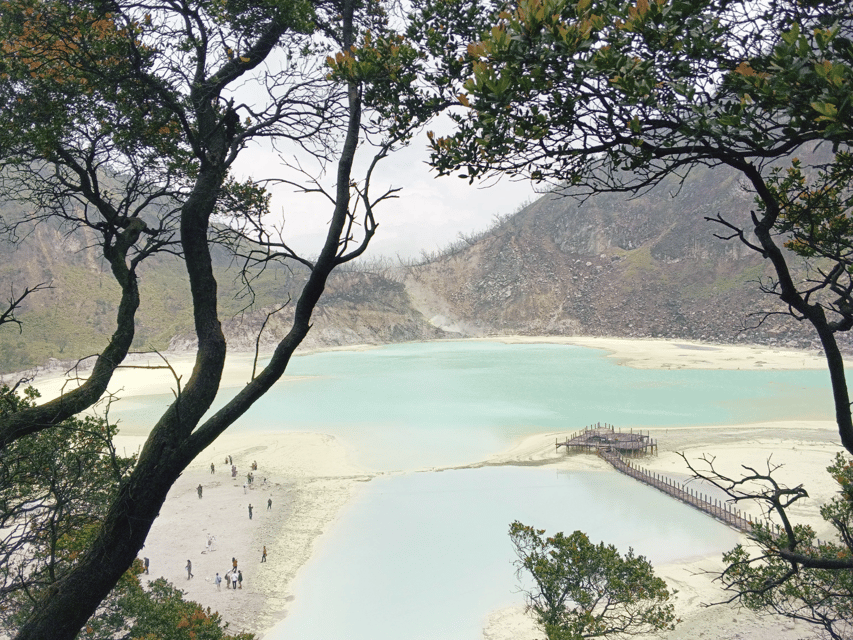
(429, 213)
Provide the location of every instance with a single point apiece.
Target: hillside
(650, 266)
(75, 317)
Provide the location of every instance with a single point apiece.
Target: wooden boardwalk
(719, 509)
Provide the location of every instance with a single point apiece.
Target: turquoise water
(447, 403)
(427, 556)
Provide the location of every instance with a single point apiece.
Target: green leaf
(827, 110)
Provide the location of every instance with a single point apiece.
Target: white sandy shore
(309, 480)
(148, 375)
(650, 353)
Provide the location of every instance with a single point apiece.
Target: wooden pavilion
(598, 437)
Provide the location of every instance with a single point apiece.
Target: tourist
(264, 556)
(218, 581)
(189, 570)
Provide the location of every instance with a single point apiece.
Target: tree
(156, 612)
(120, 121)
(583, 590)
(613, 95)
(15, 301)
(786, 570)
(55, 488)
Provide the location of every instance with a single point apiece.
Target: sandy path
(308, 480)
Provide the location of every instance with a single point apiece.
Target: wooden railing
(719, 509)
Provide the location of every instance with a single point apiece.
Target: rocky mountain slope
(650, 266)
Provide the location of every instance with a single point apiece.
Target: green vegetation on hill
(69, 320)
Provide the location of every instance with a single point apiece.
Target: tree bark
(177, 437)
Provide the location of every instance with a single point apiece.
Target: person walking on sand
(234, 580)
(264, 556)
(218, 581)
(269, 504)
(240, 579)
(199, 488)
(189, 570)
(212, 468)
(227, 579)
(250, 512)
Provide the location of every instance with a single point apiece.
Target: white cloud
(428, 214)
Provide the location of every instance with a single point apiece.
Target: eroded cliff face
(651, 266)
(357, 308)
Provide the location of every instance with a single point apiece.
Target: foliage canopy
(616, 95)
(120, 123)
(584, 590)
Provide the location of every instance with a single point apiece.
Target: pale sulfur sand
(651, 353)
(309, 480)
(145, 375)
